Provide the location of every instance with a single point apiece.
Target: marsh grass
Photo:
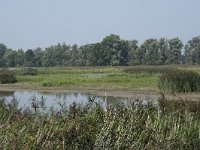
(180, 81)
(7, 76)
(149, 69)
(91, 126)
(107, 78)
(79, 70)
(27, 71)
(107, 81)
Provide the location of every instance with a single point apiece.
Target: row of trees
(111, 51)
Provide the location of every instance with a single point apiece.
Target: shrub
(7, 76)
(180, 81)
(29, 71)
(47, 84)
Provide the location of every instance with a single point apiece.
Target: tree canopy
(111, 51)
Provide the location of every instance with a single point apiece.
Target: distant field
(88, 78)
(97, 78)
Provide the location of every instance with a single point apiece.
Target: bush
(180, 81)
(47, 84)
(29, 71)
(7, 76)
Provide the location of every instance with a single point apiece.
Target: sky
(29, 24)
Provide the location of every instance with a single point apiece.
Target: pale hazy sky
(32, 23)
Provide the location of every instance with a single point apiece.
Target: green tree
(66, 55)
(140, 56)
(75, 56)
(84, 54)
(163, 50)
(115, 50)
(10, 59)
(192, 51)
(175, 47)
(109, 45)
(38, 57)
(150, 46)
(94, 55)
(132, 56)
(29, 58)
(2, 50)
(20, 57)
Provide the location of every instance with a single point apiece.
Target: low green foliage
(149, 69)
(90, 78)
(7, 76)
(79, 70)
(180, 81)
(92, 126)
(46, 84)
(28, 71)
(80, 81)
(109, 78)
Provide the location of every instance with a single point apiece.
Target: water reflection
(50, 100)
(26, 98)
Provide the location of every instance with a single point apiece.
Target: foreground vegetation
(171, 125)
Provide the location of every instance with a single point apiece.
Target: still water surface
(51, 99)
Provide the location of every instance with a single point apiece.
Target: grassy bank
(99, 78)
(91, 81)
(96, 78)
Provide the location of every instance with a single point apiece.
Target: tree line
(111, 51)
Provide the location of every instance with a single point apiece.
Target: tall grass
(91, 126)
(180, 81)
(7, 76)
(149, 69)
(79, 70)
(28, 71)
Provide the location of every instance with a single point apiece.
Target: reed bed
(7, 76)
(27, 71)
(79, 70)
(149, 69)
(180, 81)
(91, 126)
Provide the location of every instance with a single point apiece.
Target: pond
(26, 98)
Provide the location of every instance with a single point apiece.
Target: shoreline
(135, 94)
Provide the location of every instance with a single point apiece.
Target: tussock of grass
(180, 81)
(7, 76)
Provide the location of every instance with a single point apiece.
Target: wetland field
(135, 107)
